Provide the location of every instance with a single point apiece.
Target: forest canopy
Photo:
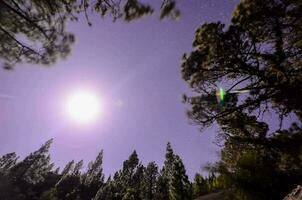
(253, 67)
(35, 177)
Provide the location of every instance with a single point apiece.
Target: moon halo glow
(83, 106)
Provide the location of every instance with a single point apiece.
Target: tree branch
(19, 43)
(24, 17)
(239, 83)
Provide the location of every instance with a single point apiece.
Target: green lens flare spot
(221, 94)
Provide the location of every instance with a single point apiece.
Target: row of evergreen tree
(35, 178)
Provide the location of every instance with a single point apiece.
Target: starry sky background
(135, 67)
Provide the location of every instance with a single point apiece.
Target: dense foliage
(35, 178)
(257, 59)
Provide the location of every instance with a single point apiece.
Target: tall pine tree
(180, 187)
(34, 167)
(150, 180)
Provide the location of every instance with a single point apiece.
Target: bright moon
(83, 106)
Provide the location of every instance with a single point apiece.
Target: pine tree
(68, 168)
(119, 184)
(180, 187)
(129, 169)
(169, 160)
(93, 179)
(68, 185)
(34, 167)
(7, 161)
(173, 180)
(138, 180)
(129, 194)
(77, 168)
(8, 189)
(69, 188)
(42, 25)
(95, 171)
(66, 172)
(108, 191)
(258, 57)
(150, 181)
(50, 195)
(132, 182)
(200, 186)
(258, 54)
(131, 177)
(162, 187)
(167, 171)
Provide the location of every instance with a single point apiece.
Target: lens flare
(220, 95)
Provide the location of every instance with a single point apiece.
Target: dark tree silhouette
(259, 54)
(34, 179)
(180, 187)
(149, 181)
(257, 59)
(200, 186)
(34, 31)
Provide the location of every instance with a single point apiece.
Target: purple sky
(137, 64)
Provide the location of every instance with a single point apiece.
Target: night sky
(135, 68)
